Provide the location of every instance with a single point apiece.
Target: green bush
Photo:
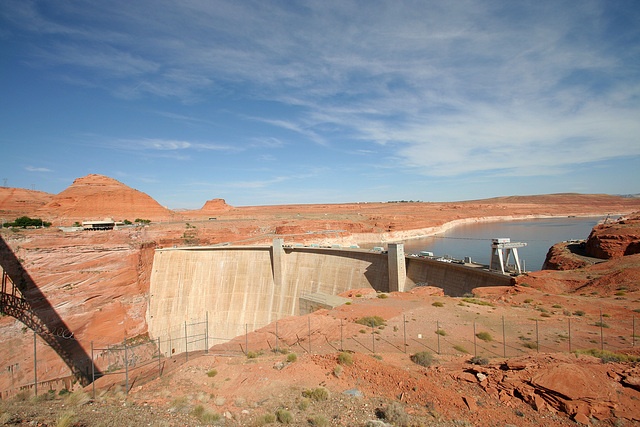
(318, 394)
(344, 358)
(292, 357)
(441, 332)
(477, 360)
(422, 358)
(371, 320)
(318, 421)
(532, 345)
(438, 304)
(579, 313)
(265, 419)
(252, 355)
(484, 336)
(460, 348)
(212, 373)
(383, 296)
(477, 302)
(608, 356)
(283, 416)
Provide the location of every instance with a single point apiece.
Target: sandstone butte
(98, 283)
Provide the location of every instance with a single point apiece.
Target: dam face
(250, 287)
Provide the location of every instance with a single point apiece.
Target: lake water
(474, 240)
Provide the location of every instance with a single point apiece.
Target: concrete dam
(248, 287)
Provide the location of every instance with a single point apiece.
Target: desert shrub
(579, 313)
(5, 418)
(22, 396)
(212, 373)
(477, 360)
(252, 355)
(377, 356)
(344, 358)
(441, 332)
(608, 356)
(460, 348)
(318, 420)
(532, 345)
(66, 419)
(265, 419)
(77, 398)
(371, 320)
(477, 302)
(395, 329)
(347, 303)
(383, 296)
(209, 417)
(637, 310)
(437, 304)
(528, 301)
(179, 403)
(394, 413)
(358, 295)
(606, 315)
(198, 411)
(318, 394)
(337, 371)
(621, 293)
(292, 357)
(283, 416)
(556, 306)
(304, 404)
(422, 358)
(484, 336)
(544, 314)
(601, 324)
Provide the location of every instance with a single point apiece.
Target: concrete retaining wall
(455, 279)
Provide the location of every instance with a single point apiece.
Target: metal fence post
(438, 333)
(159, 361)
(341, 337)
(35, 364)
(309, 322)
(277, 335)
(404, 329)
(475, 346)
(93, 373)
(373, 338)
(170, 347)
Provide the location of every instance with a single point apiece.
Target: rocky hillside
(95, 197)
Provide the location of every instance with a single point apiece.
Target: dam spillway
(251, 286)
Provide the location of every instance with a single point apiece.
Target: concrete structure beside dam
(248, 287)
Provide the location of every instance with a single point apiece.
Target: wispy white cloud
(36, 169)
(442, 89)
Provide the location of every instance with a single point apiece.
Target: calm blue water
(474, 240)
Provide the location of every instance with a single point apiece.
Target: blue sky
(271, 102)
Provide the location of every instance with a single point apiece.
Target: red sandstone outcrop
(17, 202)
(560, 257)
(616, 239)
(215, 205)
(95, 197)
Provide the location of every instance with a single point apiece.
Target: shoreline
(395, 236)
